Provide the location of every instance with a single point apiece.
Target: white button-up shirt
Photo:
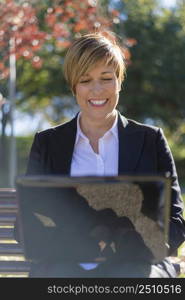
(85, 162)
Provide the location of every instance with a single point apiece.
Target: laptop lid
(57, 214)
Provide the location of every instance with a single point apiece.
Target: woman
(99, 140)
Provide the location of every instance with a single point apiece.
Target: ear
(119, 86)
(73, 92)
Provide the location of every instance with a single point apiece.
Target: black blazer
(143, 149)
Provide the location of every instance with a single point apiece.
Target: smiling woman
(99, 141)
(94, 67)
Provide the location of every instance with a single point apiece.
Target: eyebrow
(102, 73)
(105, 72)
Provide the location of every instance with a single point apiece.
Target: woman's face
(97, 92)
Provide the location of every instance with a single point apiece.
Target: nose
(96, 87)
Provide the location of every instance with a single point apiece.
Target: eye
(106, 79)
(85, 81)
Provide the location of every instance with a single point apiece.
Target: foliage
(23, 148)
(19, 34)
(155, 86)
(29, 25)
(41, 31)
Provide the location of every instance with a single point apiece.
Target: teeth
(97, 102)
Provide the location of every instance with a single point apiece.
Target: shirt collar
(113, 130)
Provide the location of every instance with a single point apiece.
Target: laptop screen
(71, 217)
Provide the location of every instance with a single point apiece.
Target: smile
(99, 102)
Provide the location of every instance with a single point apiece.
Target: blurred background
(34, 37)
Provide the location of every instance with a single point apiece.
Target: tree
(155, 85)
(42, 32)
(18, 23)
(20, 36)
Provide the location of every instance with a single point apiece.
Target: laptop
(67, 217)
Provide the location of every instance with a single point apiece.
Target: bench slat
(14, 266)
(7, 193)
(8, 203)
(7, 248)
(6, 233)
(8, 213)
(7, 217)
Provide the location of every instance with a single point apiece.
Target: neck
(97, 128)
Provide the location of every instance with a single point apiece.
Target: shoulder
(132, 126)
(152, 134)
(142, 127)
(59, 129)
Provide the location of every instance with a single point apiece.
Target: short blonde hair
(86, 51)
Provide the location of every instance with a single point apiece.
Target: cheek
(80, 92)
(114, 89)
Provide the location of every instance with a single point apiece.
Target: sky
(168, 3)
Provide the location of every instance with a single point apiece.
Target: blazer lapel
(131, 140)
(65, 136)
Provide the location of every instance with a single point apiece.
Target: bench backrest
(12, 262)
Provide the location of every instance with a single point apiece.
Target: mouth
(97, 102)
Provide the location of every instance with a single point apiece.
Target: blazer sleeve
(166, 164)
(35, 161)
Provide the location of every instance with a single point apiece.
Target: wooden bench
(12, 261)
